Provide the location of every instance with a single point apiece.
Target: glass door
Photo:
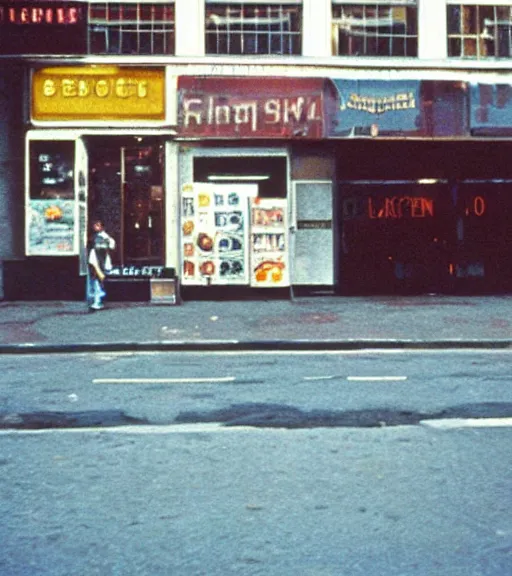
(126, 193)
(143, 205)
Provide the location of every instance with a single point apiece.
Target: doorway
(126, 193)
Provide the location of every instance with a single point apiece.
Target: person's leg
(98, 294)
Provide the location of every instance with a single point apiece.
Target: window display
(51, 211)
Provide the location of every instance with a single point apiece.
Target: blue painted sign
(491, 109)
(377, 108)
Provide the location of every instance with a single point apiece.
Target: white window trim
(262, 2)
(95, 2)
(383, 2)
(479, 2)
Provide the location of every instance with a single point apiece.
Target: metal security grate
(375, 29)
(476, 31)
(131, 28)
(253, 29)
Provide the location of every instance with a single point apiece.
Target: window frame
(484, 42)
(158, 30)
(248, 34)
(410, 41)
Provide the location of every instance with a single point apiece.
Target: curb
(258, 345)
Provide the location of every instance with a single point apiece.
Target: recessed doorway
(126, 192)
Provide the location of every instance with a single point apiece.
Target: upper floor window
(131, 28)
(250, 28)
(381, 28)
(479, 31)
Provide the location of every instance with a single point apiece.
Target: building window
(477, 31)
(387, 28)
(131, 28)
(248, 28)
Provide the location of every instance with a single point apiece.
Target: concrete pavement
(305, 322)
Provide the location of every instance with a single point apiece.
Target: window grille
(131, 28)
(248, 28)
(478, 31)
(378, 29)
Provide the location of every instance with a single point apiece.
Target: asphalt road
(163, 387)
(238, 478)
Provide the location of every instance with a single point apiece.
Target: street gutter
(258, 345)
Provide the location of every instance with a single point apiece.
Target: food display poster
(269, 242)
(214, 232)
(51, 227)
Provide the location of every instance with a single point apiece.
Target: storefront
(246, 185)
(423, 204)
(249, 159)
(96, 149)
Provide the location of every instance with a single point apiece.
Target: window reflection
(375, 29)
(253, 29)
(135, 28)
(476, 31)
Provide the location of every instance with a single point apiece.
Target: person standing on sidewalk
(99, 264)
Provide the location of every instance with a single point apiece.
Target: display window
(438, 237)
(234, 222)
(52, 202)
(483, 232)
(396, 236)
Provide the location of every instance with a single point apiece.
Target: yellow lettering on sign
(98, 93)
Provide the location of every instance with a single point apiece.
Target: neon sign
(34, 15)
(398, 207)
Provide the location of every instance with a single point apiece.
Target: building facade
(299, 145)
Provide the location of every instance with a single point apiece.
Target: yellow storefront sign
(98, 93)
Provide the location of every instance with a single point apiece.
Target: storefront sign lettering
(30, 15)
(213, 112)
(314, 224)
(98, 93)
(380, 105)
(251, 107)
(121, 88)
(132, 271)
(397, 207)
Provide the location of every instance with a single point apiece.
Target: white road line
(144, 429)
(376, 378)
(446, 424)
(358, 378)
(205, 380)
(454, 423)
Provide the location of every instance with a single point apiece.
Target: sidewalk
(305, 322)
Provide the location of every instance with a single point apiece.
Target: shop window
(479, 31)
(51, 170)
(135, 28)
(385, 28)
(248, 28)
(51, 223)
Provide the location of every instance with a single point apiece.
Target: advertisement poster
(51, 227)
(269, 243)
(214, 233)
